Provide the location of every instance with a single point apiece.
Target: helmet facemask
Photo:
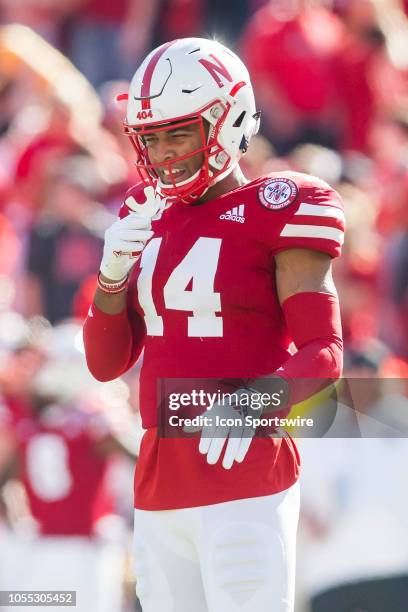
(216, 161)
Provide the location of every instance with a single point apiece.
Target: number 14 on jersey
(199, 268)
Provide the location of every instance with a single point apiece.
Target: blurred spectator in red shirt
(108, 39)
(356, 70)
(66, 242)
(288, 46)
(53, 142)
(371, 66)
(47, 119)
(180, 19)
(208, 18)
(223, 21)
(44, 16)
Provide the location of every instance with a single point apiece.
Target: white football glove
(238, 436)
(124, 241)
(152, 204)
(126, 238)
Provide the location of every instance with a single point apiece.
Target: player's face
(176, 142)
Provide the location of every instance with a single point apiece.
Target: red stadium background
(331, 80)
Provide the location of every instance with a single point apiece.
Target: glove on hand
(126, 238)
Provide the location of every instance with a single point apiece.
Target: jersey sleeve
(315, 221)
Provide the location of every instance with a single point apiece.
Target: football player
(214, 276)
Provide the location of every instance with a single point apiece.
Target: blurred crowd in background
(331, 80)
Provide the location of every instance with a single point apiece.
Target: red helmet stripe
(148, 75)
(236, 88)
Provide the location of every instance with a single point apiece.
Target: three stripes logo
(235, 214)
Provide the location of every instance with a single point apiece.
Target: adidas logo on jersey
(235, 214)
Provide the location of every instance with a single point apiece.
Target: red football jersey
(205, 286)
(62, 472)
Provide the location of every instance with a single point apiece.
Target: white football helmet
(190, 81)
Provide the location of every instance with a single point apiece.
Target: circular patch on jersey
(277, 193)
